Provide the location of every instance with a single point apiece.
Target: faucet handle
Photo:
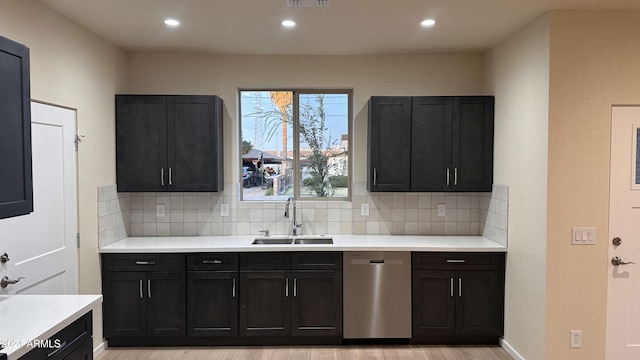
(266, 232)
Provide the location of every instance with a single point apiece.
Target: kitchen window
(295, 143)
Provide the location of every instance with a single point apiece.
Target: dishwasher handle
(376, 261)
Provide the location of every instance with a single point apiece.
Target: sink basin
(314, 241)
(287, 240)
(272, 241)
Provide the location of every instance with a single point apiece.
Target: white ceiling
(345, 27)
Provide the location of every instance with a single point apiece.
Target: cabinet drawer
(212, 262)
(313, 260)
(63, 343)
(265, 261)
(143, 262)
(457, 261)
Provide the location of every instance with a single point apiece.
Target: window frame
(296, 92)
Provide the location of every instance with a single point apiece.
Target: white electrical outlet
(576, 339)
(224, 210)
(160, 210)
(364, 209)
(442, 210)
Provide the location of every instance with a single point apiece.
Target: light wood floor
(400, 352)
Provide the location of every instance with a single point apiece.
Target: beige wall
(368, 75)
(73, 68)
(594, 64)
(517, 73)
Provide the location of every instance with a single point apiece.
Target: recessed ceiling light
(288, 23)
(428, 23)
(172, 22)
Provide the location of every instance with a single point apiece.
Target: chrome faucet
(295, 228)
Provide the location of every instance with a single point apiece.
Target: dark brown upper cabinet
(430, 143)
(169, 143)
(16, 184)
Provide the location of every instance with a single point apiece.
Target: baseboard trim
(99, 349)
(510, 350)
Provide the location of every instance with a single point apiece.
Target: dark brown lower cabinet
(316, 306)
(302, 298)
(212, 303)
(265, 303)
(144, 295)
(458, 306)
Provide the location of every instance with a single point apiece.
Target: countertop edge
(341, 243)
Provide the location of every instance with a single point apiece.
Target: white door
(623, 293)
(42, 245)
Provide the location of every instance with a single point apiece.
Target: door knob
(4, 258)
(616, 241)
(6, 281)
(617, 261)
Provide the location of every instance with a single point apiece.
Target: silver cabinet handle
(451, 287)
(456, 261)
(616, 261)
(212, 261)
(149, 287)
(162, 176)
(455, 176)
(141, 294)
(286, 288)
(375, 176)
(295, 287)
(145, 262)
(447, 176)
(459, 287)
(170, 177)
(233, 288)
(62, 346)
(6, 281)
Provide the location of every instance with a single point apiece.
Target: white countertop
(242, 243)
(25, 318)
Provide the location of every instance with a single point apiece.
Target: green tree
(246, 146)
(314, 132)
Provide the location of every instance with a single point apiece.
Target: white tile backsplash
(198, 214)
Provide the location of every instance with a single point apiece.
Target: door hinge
(78, 240)
(77, 140)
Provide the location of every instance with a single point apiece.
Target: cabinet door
(431, 136)
(212, 303)
(141, 143)
(124, 304)
(472, 149)
(16, 186)
(434, 310)
(166, 301)
(479, 303)
(265, 303)
(195, 143)
(389, 145)
(316, 307)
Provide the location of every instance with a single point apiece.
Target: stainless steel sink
(272, 241)
(291, 240)
(314, 241)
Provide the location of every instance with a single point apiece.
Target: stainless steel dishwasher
(377, 294)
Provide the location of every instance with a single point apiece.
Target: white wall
(517, 72)
(73, 68)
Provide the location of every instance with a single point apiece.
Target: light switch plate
(224, 210)
(160, 210)
(583, 236)
(364, 209)
(442, 210)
